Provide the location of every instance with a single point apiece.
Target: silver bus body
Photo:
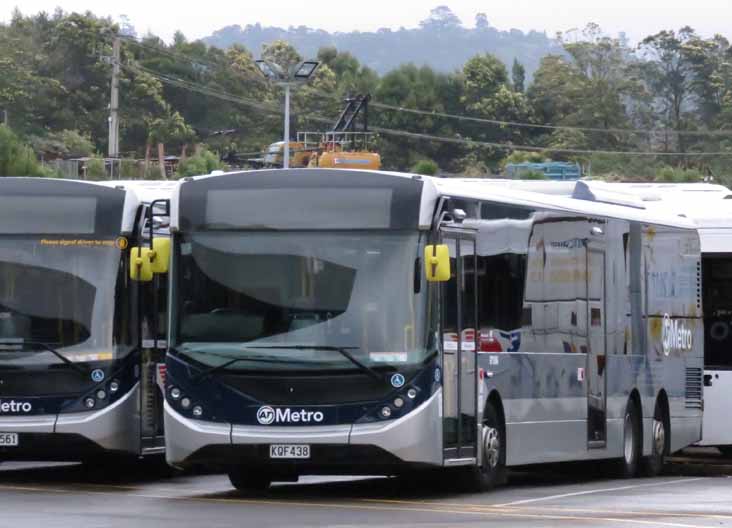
(560, 315)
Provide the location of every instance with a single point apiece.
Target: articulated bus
(348, 322)
(77, 365)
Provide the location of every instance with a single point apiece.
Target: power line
(416, 135)
(518, 124)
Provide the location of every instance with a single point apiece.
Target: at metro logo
(12, 406)
(266, 415)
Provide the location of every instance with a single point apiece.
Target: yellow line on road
(501, 507)
(376, 506)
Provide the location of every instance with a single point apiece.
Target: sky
(637, 18)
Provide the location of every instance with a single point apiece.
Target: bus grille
(693, 388)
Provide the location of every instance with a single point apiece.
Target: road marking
(685, 515)
(486, 511)
(603, 490)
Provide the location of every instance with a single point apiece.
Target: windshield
(60, 292)
(294, 296)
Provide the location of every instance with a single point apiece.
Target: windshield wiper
(212, 370)
(26, 344)
(344, 351)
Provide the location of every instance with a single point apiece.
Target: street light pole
(287, 77)
(286, 160)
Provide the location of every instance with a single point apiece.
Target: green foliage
(522, 156)
(532, 175)
(518, 76)
(95, 168)
(678, 175)
(17, 158)
(426, 167)
(56, 88)
(202, 162)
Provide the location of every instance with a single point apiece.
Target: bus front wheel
(247, 481)
(492, 471)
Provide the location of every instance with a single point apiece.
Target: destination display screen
(300, 199)
(51, 206)
(299, 208)
(48, 214)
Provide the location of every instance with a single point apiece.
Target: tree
(483, 75)
(441, 18)
(669, 73)
(281, 53)
(518, 76)
(17, 158)
(171, 129)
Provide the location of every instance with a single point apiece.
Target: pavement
(147, 495)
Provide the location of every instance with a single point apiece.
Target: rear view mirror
(160, 255)
(437, 263)
(140, 264)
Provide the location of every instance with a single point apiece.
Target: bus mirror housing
(160, 255)
(437, 263)
(140, 264)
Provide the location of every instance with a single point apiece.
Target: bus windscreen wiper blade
(25, 345)
(344, 351)
(213, 370)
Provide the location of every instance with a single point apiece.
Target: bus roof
(582, 200)
(558, 196)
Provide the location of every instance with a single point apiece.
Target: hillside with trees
(659, 110)
(441, 41)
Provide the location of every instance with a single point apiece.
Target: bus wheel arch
(660, 436)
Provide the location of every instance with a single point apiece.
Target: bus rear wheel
(247, 481)
(492, 471)
(628, 464)
(653, 464)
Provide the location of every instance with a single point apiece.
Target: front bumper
(414, 439)
(76, 436)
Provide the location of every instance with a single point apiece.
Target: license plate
(8, 439)
(289, 451)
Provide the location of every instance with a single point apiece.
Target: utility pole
(286, 159)
(114, 101)
(5, 118)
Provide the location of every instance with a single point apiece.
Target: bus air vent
(693, 392)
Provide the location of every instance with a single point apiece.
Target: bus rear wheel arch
(660, 437)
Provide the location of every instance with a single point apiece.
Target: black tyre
(725, 450)
(492, 471)
(628, 465)
(653, 464)
(248, 481)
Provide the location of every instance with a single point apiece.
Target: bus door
(596, 358)
(153, 336)
(459, 337)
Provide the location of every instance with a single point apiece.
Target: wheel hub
(659, 436)
(628, 439)
(491, 446)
